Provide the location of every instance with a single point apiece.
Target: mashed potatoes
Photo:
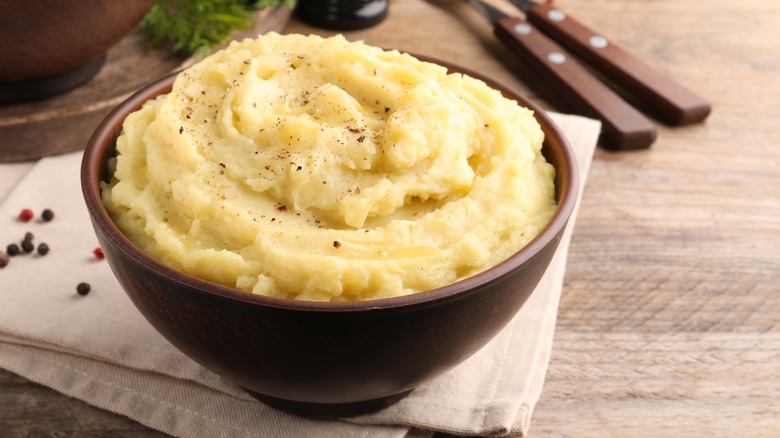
(321, 169)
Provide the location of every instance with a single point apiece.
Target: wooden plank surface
(669, 323)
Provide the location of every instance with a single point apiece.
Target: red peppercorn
(25, 215)
(99, 253)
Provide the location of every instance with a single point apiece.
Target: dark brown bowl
(50, 46)
(315, 358)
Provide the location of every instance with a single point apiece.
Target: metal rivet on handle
(556, 58)
(522, 28)
(598, 41)
(556, 15)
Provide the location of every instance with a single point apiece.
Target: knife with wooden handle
(623, 127)
(671, 101)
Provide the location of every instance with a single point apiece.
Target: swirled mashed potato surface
(321, 169)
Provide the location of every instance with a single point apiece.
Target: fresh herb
(188, 27)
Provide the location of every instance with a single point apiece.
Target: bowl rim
(102, 143)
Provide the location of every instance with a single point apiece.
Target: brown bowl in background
(51, 46)
(325, 359)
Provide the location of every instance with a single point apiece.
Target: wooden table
(669, 323)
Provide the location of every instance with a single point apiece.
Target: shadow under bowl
(326, 359)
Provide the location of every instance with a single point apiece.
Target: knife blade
(623, 127)
(672, 102)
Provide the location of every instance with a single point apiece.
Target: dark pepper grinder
(342, 14)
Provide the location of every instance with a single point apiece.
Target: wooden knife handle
(673, 103)
(623, 127)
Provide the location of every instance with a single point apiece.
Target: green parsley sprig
(188, 27)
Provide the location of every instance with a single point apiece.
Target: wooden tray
(64, 123)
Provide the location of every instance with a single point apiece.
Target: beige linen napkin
(99, 349)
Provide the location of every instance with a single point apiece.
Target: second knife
(671, 101)
(623, 127)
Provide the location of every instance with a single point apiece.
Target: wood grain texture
(669, 323)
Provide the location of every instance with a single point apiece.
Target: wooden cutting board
(64, 123)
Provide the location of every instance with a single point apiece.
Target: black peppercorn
(4, 260)
(29, 236)
(12, 249)
(83, 288)
(43, 249)
(47, 215)
(27, 246)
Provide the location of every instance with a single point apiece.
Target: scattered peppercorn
(47, 215)
(43, 249)
(28, 246)
(25, 215)
(4, 260)
(83, 288)
(29, 236)
(99, 253)
(12, 249)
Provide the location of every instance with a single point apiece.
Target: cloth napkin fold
(98, 348)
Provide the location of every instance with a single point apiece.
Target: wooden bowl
(51, 46)
(325, 359)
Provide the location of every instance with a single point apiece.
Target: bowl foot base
(327, 411)
(11, 92)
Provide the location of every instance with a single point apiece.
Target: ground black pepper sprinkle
(43, 249)
(47, 215)
(83, 288)
(12, 249)
(28, 246)
(336, 244)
